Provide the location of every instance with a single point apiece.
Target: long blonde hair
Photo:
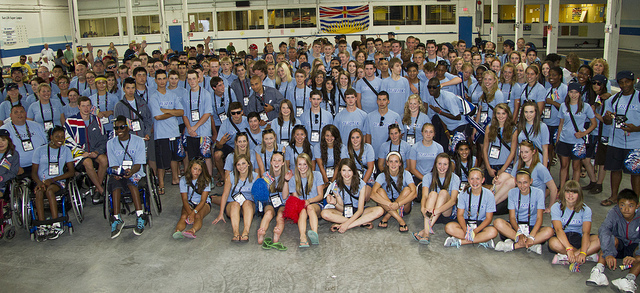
(406, 118)
(489, 93)
(298, 176)
(287, 70)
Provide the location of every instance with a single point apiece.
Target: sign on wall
(344, 19)
(14, 31)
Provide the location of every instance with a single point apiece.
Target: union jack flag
(344, 19)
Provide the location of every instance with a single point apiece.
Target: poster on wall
(344, 19)
(576, 13)
(14, 31)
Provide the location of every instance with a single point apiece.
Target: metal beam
(519, 21)
(494, 22)
(552, 30)
(612, 35)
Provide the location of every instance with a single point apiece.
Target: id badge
(546, 114)
(127, 164)
(104, 120)
(299, 111)
(494, 152)
(223, 117)
(48, 125)
(27, 145)
(604, 140)
(315, 136)
(329, 172)
(264, 117)
(135, 125)
(361, 173)
(411, 139)
(348, 211)
(340, 108)
(620, 120)
(284, 143)
(260, 207)
(483, 116)
(246, 101)
(472, 226)
(53, 169)
(276, 201)
(239, 198)
(195, 115)
(463, 185)
(524, 229)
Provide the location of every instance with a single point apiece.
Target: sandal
(303, 244)
(220, 183)
(189, 234)
(383, 224)
(403, 228)
(160, 190)
(177, 235)
(420, 239)
(279, 246)
(369, 226)
(236, 238)
(244, 238)
(334, 228)
(607, 202)
(267, 244)
(313, 237)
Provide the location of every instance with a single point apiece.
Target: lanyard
(42, 111)
(288, 129)
(529, 206)
(311, 121)
(106, 100)
(440, 183)
(59, 97)
(304, 194)
(295, 96)
(465, 169)
(528, 92)
(49, 154)
(126, 149)
(193, 187)
(341, 96)
(625, 111)
(18, 133)
(233, 192)
(391, 144)
(479, 203)
(248, 134)
(190, 104)
(415, 124)
(266, 162)
(144, 93)
(351, 196)
(243, 87)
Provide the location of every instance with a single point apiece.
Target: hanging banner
(344, 19)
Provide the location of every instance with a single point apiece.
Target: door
(175, 37)
(465, 29)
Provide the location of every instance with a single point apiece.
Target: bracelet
(585, 254)
(195, 211)
(569, 248)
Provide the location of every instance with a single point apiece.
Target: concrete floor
(360, 260)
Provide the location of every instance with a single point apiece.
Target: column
(163, 25)
(131, 34)
(519, 21)
(494, 23)
(552, 30)
(611, 35)
(185, 24)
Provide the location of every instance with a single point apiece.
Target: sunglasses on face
(121, 127)
(236, 112)
(111, 67)
(433, 87)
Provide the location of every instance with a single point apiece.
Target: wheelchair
(151, 203)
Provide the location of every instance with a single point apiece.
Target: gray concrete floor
(378, 260)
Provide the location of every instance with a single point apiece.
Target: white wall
(631, 19)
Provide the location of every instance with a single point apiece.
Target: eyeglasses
(433, 87)
(236, 112)
(381, 120)
(121, 127)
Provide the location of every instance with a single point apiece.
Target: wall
(629, 26)
(35, 22)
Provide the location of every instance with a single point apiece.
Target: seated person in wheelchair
(9, 163)
(47, 172)
(86, 137)
(28, 135)
(127, 154)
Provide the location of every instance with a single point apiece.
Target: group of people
(353, 133)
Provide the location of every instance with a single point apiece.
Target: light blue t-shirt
(221, 105)
(536, 93)
(49, 112)
(344, 153)
(228, 162)
(403, 148)
(504, 151)
(540, 176)
(622, 106)
(556, 94)
(36, 134)
(367, 156)
(526, 206)
(69, 111)
(345, 121)
(352, 199)
(167, 128)
(200, 101)
(510, 93)
(308, 193)
(377, 125)
(448, 103)
(488, 107)
(299, 98)
(105, 103)
(315, 122)
(398, 90)
(284, 132)
(415, 127)
(472, 212)
(368, 99)
(242, 186)
(291, 154)
(193, 197)
(568, 131)
(42, 158)
(577, 220)
(454, 183)
(392, 193)
(135, 151)
(425, 156)
(228, 128)
(539, 140)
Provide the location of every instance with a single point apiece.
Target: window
(99, 27)
(582, 13)
(200, 22)
(292, 18)
(441, 14)
(397, 15)
(240, 20)
(146, 24)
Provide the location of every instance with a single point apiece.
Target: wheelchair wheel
(152, 185)
(9, 233)
(26, 209)
(76, 201)
(16, 204)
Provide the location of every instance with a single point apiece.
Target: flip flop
(244, 238)
(236, 238)
(267, 244)
(177, 235)
(220, 183)
(303, 244)
(334, 228)
(313, 237)
(406, 229)
(420, 239)
(367, 225)
(383, 224)
(607, 202)
(189, 234)
(161, 190)
(279, 246)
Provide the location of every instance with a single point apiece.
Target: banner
(344, 19)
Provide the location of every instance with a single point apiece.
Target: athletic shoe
(55, 231)
(139, 226)
(42, 233)
(624, 285)
(594, 257)
(537, 248)
(329, 206)
(97, 198)
(505, 246)
(560, 259)
(116, 227)
(487, 244)
(177, 235)
(452, 242)
(597, 278)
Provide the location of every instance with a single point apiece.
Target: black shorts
(226, 150)
(566, 150)
(615, 159)
(193, 148)
(553, 131)
(166, 152)
(122, 184)
(626, 250)
(575, 240)
(181, 127)
(151, 150)
(601, 153)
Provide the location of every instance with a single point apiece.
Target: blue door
(175, 37)
(465, 29)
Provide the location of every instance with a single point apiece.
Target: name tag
(239, 198)
(104, 120)
(329, 172)
(348, 211)
(223, 117)
(48, 125)
(27, 145)
(276, 201)
(246, 101)
(546, 114)
(620, 120)
(53, 169)
(411, 139)
(472, 225)
(315, 136)
(126, 165)
(299, 111)
(195, 115)
(284, 143)
(264, 117)
(494, 152)
(135, 125)
(361, 173)
(483, 116)
(463, 185)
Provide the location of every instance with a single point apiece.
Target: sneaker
(116, 227)
(487, 244)
(97, 198)
(537, 248)
(452, 242)
(597, 278)
(504, 246)
(591, 186)
(329, 206)
(597, 189)
(624, 285)
(41, 233)
(594, 257)
(55, 231)
(139, 226)
(560, 259)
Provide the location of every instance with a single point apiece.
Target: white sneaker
(452, 242)
(624, 285)
(488, 244)
(329, 206)
(597, 278)
(505, 246)
(537, 248)
(560, 259)
(594, 257)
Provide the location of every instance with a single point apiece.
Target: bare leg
(277, 230)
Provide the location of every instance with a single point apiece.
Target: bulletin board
(15, 31)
